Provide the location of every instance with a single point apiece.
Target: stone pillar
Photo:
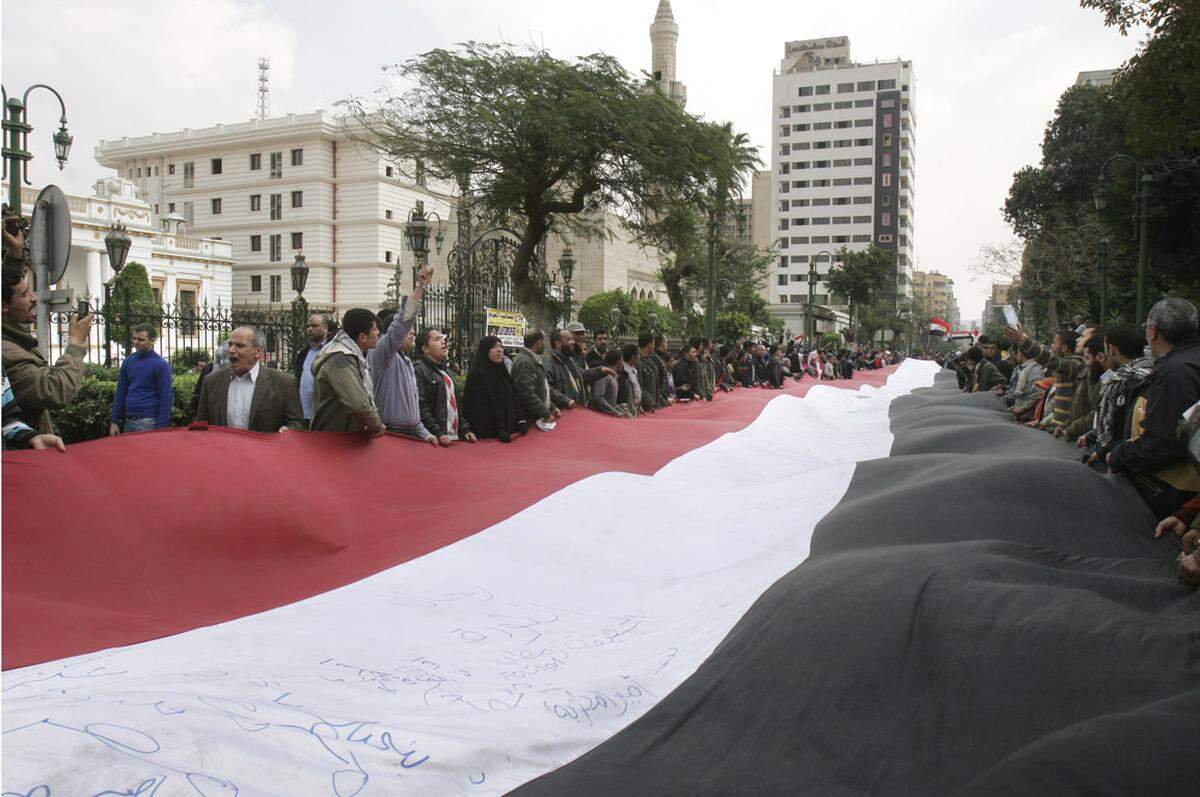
(95, 281)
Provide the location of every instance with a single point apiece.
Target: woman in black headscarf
(489, 403)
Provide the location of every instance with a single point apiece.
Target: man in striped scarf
(1124, 345)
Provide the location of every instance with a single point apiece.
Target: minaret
(664, 36)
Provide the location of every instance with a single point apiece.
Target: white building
(182, 270)
(1096, 77)
(842, 168)
(274, 187)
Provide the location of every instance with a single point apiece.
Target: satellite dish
(50, 233)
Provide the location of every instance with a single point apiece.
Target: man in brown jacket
(37, 386)
(248, 395)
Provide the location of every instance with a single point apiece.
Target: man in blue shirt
(317, 332)
(144, 392)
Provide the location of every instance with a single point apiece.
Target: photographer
(37, 386)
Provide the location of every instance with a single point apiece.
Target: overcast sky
(988, 73)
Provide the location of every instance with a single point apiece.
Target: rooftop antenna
(264, 88)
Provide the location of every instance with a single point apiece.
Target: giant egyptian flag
(939, 326)
(885, 589)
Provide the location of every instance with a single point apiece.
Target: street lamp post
(566, 267)
(16, 156)
(299, 273)
(614, 316)
(811, 320)
(1101, 266)
(710, 310)
(416, 235)
(1141, 214)
(117, 244)
(728, 292)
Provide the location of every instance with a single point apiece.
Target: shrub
(831, 340)
(732, 325)
(88, 415)
(185, 360)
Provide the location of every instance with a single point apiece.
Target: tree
(637, 315)
(863, 277)
(540, 144)
(732, 325)
(135, 281)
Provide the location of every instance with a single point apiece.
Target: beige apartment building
(933, 295)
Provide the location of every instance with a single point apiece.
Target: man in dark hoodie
(344, 397)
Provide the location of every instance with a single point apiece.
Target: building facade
(1096, 77)
(933, 295)
(664, 41)
(843, 164)
(275, 187)
(1002, 293)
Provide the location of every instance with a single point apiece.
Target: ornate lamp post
(16, 155)
(683, 320)
(727, 294)
(416, 235)
(810, 318)
(1141, 215)
(566, 267)
(614, 315)
(1078, 256)
(299, 272)
(117, 243)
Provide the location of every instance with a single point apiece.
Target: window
(862, 219)
(783, 262)
(805, 91)
(822, 125)
(823, 89)
(216, 166)
(843, 162)
(256, 283)
(216, 207)
(297, 199)
(861, 239)
(802, 108)
(866, 85)
(799, 278)
(783, 224)
(785, 112)
(885, 219)
(782, 279)
(783, 299)
(387, 256)
(800, 184)
(820, 239)
(297, 240)
(255, 243)
(840, 220)
(256, 202)
(864, 122)
(170, 168)
(867, 103)
(276, 288)
(785, 130)
(276, 165)
(862, 161)
(821, 202)
(886, 159)
(276, 207)
(887, 103)
(189, 212)
(823, 106)
(885, 179)
(820, 183)
(820, 221)
(276, 253)
(820, 164)
(155, 208)
(844, 88)
(841, 181)
(862, 180)
(783, 206)
(297, 157)
(785, 149)
(821, 145)
(800, 165)
(888, 119)
(802, 239)
(387, 172)
(189, 174)
(170, 207)
(843, 105)
(156, 171)
(139, 172)
(784, 186)
(862, 200)
(841, 200)
(255, 161)
(887, 139)
(885, 238)
(885, 85)
(844, 124)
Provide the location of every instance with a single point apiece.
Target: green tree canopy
(135, 281)
(637, 315)
(538, 144)
(864, 277)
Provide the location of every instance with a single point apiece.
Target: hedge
(88, 415)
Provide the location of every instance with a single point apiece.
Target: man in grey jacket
(536, 400)
(392, 371)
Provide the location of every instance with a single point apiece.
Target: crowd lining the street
(1126, 396)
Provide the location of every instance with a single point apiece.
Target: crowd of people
(1126, 396)
(376, 373)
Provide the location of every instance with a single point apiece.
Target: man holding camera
(37, 386)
